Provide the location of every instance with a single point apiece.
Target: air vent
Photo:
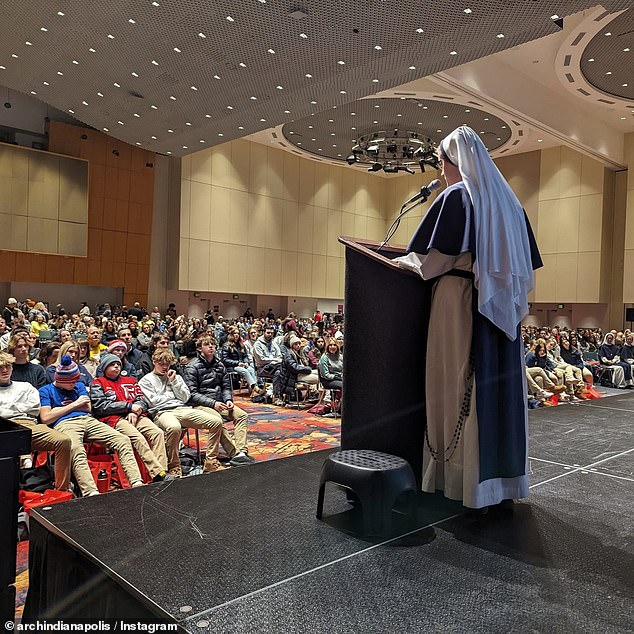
(578, 39)
(583, 92)
(611, 103)
(570, 78)
(567, 60)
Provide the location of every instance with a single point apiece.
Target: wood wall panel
(120, 203)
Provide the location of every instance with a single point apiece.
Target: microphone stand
(397, 221)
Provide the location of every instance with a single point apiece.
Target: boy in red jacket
(118, 401)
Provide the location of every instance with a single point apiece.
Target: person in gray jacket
(268, 360)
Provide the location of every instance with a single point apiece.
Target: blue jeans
(247, 373)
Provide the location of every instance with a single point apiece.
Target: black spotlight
(558, 22)
(392, 148)
(83, 137)
(115, 152)
(408, 151)
(149, 165)
(7, 104)
(422, 166)
(352, 159)
(390, 169)
(376, 167)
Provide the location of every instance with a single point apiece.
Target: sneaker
(278, 402)
(212, 464)
(240, 460)
(177, 472)
(163, 477)
(544, 394)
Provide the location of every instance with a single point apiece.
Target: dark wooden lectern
(387, 315)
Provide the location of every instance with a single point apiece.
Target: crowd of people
(133, 381)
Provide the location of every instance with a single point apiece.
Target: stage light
(376, 167)
(390, 169)
(408, 151)
(352, 159)
(392, 148)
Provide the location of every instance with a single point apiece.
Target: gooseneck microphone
(422, 196)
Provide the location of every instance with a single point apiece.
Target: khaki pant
(240, 419)
(45, 438)
(83, 429)
(539, 377)
(148, 441)
(173, 421)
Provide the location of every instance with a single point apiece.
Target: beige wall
(628, 276)
(255, 219)
(570, 213)
(43, 202)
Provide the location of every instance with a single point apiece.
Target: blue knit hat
(67, 370)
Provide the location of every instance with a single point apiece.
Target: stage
(241, 550)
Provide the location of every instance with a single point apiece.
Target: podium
(14, 441)
(387, 317)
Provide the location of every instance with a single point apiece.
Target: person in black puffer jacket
(210, 387)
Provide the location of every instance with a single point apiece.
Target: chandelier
(393, 152)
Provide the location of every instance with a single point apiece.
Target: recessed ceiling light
(591, 59)
(202, 35)
(299, 143)
(208, 116)
(85, 103)
(334, 145)
(626, 50)
(134, 74)
(240, 127)
(168, 152)
(438, 130)
(375, 81)
(609, 72)
(155, 4)
(313, 139)
(319, 149)
(3, 68)
(308, 75)
(500, 36)
(34, 93)
(176, 49)
(538, 140)
(242, 65)
(287, 112)
(155, 62)
(43, 28)
(412, 67)
(554, 17)
(608, 34)
(171, 131)
(194, 88)
(138, 143)
(138, 116)
(622, 118)
(14, 56)
(420, 123)
(291, 132)
(216, 76)
(467, 10)
(220, 134)
(202, 141)
(399, 115)
(60, 13)
(120, 122)
(310, 127)
(375, 122)
(92, 50)
(253, 98)
(184, 147)
(116, 85)
(172, 98)
(230, 19)
(341, 62)
(105, 130)
(59, 72)
(445, 116)
(45, 83)
(131, 21)
(28, 43)
(378, 48)
(314, 103)
(188, 123)
(71, 111)
(503, 127)
(229, 107)
(280, 87)
(303, 35)
(262, 120)
(75, 62)
(110, 36)
(624, 85)
(453, 53)
(353, 114)
(419, 30)
(332, 134)
(467, 110)
(271, 51)
(343, 92)
(154, 137)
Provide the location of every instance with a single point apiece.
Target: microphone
(425, 191)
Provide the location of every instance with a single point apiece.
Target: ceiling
(175, 76)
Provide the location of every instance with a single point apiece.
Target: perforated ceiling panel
(333, 133)
(178, 75)
(608, 60)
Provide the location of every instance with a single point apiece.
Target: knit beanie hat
(294, 339)
(117, 343)
(106, 360)
(67, 370)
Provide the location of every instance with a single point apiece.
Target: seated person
(610, 358)
(38, 324)
(145, 364)
(315, 351)
(573, 357)
(120, 349)
(133, 354)
(210, 388)
(268, 359)
(117, 400)
(93, 336)
(571, 375)
(48, 354)
(235, 358)
(295, 368)
(65, 405)
(20, 403)
(70, 348)
(167, 395)
(23, 368)
(331, 366)
(538, 358)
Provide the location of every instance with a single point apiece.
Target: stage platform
(241, 550)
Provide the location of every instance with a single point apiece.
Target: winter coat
(291, 367)
(208, 382)
(113, 399)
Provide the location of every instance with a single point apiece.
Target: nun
(476, 244)
(610, 357)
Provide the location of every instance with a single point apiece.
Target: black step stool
(376, 478)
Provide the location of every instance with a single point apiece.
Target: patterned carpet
(274, 432)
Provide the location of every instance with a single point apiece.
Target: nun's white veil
(503, 268)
